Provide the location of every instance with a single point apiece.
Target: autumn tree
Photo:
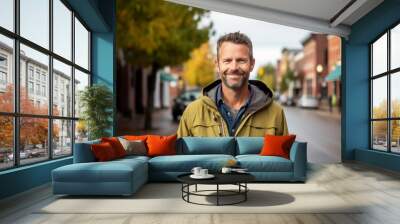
(33, 130)
(199, 70)
(266, 74)
(154, 34)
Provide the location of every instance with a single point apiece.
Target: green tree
(286, 79)
(155, 34)
(199, 70)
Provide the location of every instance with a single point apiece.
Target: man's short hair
(237, 38)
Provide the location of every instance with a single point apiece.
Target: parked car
(181, 101)
(308, 102)
(25, 154)
(283, 99)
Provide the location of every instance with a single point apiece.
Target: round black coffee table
(238, 179)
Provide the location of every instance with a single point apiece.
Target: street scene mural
(166, 54)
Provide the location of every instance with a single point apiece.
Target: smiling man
(234, 105)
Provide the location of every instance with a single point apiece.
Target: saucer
(208, 176)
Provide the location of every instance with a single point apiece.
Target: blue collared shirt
(232, 119)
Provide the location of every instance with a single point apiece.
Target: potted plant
(96, 104)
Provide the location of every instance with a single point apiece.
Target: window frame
(388, 74)
(16, 114)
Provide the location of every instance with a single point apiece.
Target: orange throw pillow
(277, 145)
(135, 137)
(103, 151)
(116, 145)
(161, 145)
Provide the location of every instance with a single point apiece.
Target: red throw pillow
(161, 145)
(103, 151)
(116, 145)
(277, 145)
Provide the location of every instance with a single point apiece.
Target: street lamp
(321, 82)
(319, 68)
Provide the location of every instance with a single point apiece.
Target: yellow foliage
(380, 127)
(199, 70)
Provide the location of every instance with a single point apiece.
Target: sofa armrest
(298, 155)
(83, 152)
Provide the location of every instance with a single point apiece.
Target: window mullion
(16, 70)
(50, 81)
(389, 101)
(73, 83)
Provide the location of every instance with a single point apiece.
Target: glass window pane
(81, 131)
(379, 55)
(7, 14)
(34, 19)
(379, 97)
(62, 89)
(6, 142)
(6, 74)
(395, 94)
(81, 45)
(379, 135)
(395, 136)
(81, 81)
(62, 138)
(62, 29)
(33, 139)
(34, 97)
(395, 47)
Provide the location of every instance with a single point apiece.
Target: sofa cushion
(103, 151)
(257, 163)
(111, 171)
(135, 137)
(206, 145)
(161, 145)
(185, 163)
(277, 145)
(116, 145)
(134, 147)
(249, 145)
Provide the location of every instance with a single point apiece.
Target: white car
(308, 102)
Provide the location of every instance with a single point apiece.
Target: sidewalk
(335, 113)
(162, 124)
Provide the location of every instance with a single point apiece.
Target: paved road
(320, 130)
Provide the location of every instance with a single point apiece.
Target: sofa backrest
(206, 145)
(83, 152)
(249, 145)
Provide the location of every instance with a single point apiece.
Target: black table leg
(245, 193)
(217, 194)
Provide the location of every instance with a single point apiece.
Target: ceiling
(321, 16)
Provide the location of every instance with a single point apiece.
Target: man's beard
(237, 85)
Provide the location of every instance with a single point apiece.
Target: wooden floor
(378, 189)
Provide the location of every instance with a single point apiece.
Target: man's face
(234, 65)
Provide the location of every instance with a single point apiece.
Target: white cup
(196, 170)
(203, 172)
(226, 170)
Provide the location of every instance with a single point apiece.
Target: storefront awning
(335, 74)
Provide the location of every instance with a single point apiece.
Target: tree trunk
(122, 90)
(151, 84)
(138, 87)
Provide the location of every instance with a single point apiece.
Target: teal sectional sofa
(125, 176)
